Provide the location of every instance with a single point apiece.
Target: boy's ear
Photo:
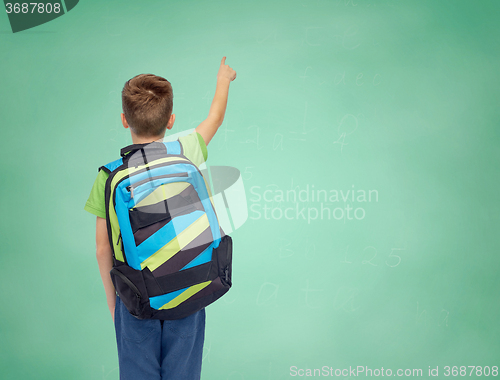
(170, 122)
(124, 121)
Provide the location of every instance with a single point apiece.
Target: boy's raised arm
(209, 126)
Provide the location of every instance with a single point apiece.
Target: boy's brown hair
(147, 102)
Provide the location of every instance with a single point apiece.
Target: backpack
(171, 258)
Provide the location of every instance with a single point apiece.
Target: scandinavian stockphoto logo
(310, 204)
(27, 15)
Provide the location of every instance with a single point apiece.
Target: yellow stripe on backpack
(189, 292)
(177, 243)
(163, 192)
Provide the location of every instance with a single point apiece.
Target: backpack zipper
(183, 160)
(127, 281)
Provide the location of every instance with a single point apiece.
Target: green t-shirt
(194, 149)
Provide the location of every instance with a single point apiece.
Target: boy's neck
(144, 140)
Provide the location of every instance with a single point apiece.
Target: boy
(151, 348)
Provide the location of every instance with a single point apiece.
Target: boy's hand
(225, 71)
(209, 126)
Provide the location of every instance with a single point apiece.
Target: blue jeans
(152, 349)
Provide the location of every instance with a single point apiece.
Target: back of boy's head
(147, 102)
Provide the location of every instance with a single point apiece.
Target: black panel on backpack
(185, 255)
(184, 203)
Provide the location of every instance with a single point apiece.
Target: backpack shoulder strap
(131, 149)
(111, 166)
(174, 147)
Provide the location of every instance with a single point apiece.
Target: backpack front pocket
(144, 186)
(160, 207)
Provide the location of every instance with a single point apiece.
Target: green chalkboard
(367, 137)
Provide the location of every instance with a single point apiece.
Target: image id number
(35, 8)
(470, 370)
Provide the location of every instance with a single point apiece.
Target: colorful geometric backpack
(170, 255)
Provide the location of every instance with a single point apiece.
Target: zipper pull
(226, 270)
(130, 188)
(119, 238)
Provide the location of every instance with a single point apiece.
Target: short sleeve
(194, 148)
(96, 203)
